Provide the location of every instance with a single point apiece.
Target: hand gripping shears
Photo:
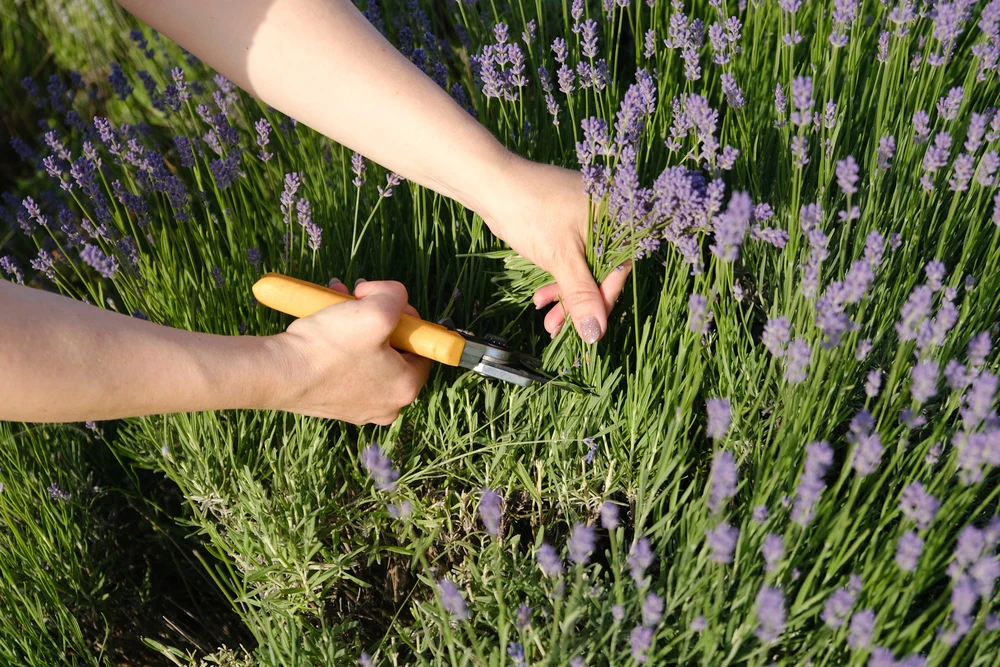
(488, 356)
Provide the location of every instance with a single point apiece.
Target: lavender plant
(792, 452)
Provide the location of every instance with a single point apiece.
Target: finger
(610, 290)
(382, 301)
(614, 283)
(338, 286)
(554, 320)
(579, 294)
(546, 295)
(410, 310)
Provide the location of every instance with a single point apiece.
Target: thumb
(579, 295)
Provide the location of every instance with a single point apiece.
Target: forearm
(322, 63)
(61, 360)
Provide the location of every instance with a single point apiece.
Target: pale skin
(322, 63)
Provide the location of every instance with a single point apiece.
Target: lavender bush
(792, 453)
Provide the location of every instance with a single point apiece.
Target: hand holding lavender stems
(276, 51)
(403, 120)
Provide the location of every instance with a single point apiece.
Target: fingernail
(335, 281)
(359, 281)
(590, 330)
(556, 332)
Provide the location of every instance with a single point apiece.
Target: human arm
(62, 360)
(322, 63)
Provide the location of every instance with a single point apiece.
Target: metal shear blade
(490, 356)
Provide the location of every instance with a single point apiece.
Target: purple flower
(780, 105)
(722, 542)
(731, 227)
(640, 639)
(358, 167)
(770, 614)
(516, 653)
(549, 561)
(718, 417)
(886, 151)
(979, 349)
(401, 511)
(263, 129)
(760, 514)
(698, 624)
(581, 543)
(640, 557)
(732, 91)
(652, 610)
(217, 277)
(609, 515)
(523, 619)
(776, 237)
(452, 600)
(699, 316)
(837, 608)
(773, 550)
(797, 361)
(873, 383)
(914, 312)
(379, 468)
(861, 630)
(288, 195)
(867, 453)
(391, 180)
(819, 457)
(802, 100)
(847, 175)
(106, 265)
(724, 479)
(184, 150)
(649, 44)
(226, 170)
(925, 377)
(921, 126)
(56, 492)
(949, 105)
(800, 152)
(118, 82)
(918, 506)
(366, 660)
(490, 505)
(908, 551)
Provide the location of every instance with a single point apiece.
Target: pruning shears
(442, 342)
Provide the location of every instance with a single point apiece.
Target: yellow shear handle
(299, 298)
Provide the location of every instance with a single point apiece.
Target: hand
(545, 220)
(339, 364)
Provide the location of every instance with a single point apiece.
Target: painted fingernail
(556, 332)
(335, 281)
(359, 281)
(590, 330)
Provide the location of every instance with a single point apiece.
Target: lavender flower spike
(490, 511)
(770, 614)
(452, 600)
(379, 468)
(718, 417)
(724, 480)
(722, 541)
(581, 543)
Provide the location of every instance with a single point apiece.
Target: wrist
(486, 180)
(273, 367)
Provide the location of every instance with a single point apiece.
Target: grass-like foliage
(791, 453)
